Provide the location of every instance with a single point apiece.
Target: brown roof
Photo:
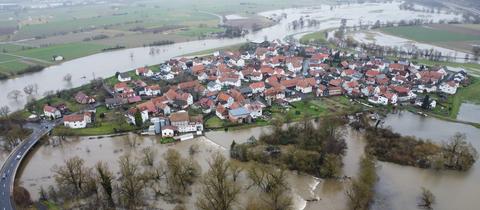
(74, 118)
(50, 109)
(179, 117)
(257, 85)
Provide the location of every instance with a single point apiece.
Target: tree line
(313, 148)
(455, 154)
(146, 178)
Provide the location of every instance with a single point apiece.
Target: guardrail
(36, 135)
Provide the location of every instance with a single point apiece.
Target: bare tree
(272, 182)
(181, 172)
(14, 95)
(4, 111)
(67, 77)
(73, 176)
(21, 197)
(427, 199)
(235, 168)
(459, 154)
(218, 191)
(148, 156)
(105, 178)
(131, 185)
(29, 89)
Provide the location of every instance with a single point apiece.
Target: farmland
(456, 37)
(15, 59)
(70, 31)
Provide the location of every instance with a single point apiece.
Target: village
(238, 86)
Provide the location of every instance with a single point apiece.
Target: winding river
(107, 63)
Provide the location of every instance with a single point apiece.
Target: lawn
(214, 122)
(104, 129)
(467, 94)
(315, 37)
(428, 34)
(167, 140)
(68, 51)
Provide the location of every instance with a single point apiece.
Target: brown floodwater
(37, 172)
(398, 186)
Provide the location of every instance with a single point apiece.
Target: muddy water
(331, 193)
(37, 172)
(399, 186)
(469, 112)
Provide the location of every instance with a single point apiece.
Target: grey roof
(239, 111)
(124, 75)
(211, 84)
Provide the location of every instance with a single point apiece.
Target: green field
(17, 59)
(428, 35)
(68, 51)
(315, 37)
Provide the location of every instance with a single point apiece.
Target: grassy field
(457, 37)
(315, 37)
(428, 35)
(214, 122)
(68, 51)
(17, 59)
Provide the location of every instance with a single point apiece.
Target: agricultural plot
(68, 51)
(456, 37)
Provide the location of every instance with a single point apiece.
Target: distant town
(237, 86)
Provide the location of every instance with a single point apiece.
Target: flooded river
(469, 112)
(107, 63)
(397, 189)
(399, 186)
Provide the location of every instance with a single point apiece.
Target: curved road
(10, 167)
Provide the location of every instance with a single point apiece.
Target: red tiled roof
(257, 85)
(50, 109)
(74, 118)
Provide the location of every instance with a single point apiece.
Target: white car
(18, 157)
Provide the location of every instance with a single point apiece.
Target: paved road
(10, 167)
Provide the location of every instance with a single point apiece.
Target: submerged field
(457, 37)
(81, 30)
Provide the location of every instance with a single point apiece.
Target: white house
(144, 71)
(77, 120)
(131, 115)
(168, 131)
(213, 86)
(185, 123)
(124, 77)
(256, 76)
(303, 87)
(378, 100)
(153, 90)
(257, 87)
(51, 112)
(255, 109)
(448, 87)
(168, 76)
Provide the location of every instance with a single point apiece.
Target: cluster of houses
(238, 86)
